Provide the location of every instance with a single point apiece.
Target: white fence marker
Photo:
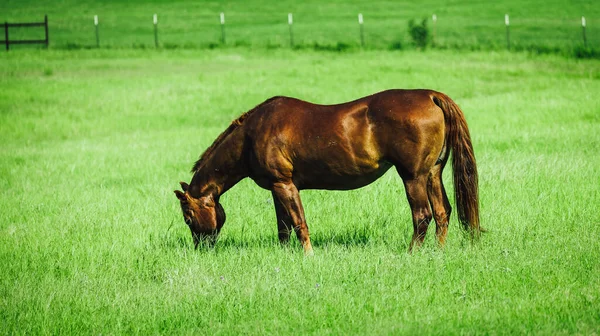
(222, 16)
(506, 22)
(434, 18)
(362, 34)
(155, 19)
(290, 22)
(97, 34)
(583, 28)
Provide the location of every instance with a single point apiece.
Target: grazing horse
(286, 145)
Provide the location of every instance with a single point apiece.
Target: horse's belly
(319, 176)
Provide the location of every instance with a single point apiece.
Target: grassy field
(92, 239)
(540, 26)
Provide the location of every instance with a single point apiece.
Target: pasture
(92, 240)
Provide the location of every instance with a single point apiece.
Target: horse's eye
(188, 221)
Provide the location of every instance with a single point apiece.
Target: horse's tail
(464, 167)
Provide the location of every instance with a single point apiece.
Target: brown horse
(286, 145)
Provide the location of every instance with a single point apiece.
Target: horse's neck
(223, 168)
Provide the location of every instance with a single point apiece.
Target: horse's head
(205, 216)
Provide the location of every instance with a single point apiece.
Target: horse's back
(395, 103)
(392, 105)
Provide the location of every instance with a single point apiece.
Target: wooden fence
(7, 42)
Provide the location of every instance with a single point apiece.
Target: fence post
(434, 19)
(46, 28)
(155, 19)
(362, 34)
(290, 22)
(506, 22)
(6, 35)
(222, 27)
(97, 35)
(583, 27)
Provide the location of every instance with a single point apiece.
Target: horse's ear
(180, 195)
(184, 186)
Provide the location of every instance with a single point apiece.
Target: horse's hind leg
(439, 203)
(416, 192)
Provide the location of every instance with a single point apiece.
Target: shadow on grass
(361, 236)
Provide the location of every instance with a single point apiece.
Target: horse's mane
(232, 127)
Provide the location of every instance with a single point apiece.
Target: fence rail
(7, 42)
(322, 31)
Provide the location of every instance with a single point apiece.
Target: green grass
(92, 239)
(539, 26)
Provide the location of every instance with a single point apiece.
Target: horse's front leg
(284, 221)
(287, 196)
